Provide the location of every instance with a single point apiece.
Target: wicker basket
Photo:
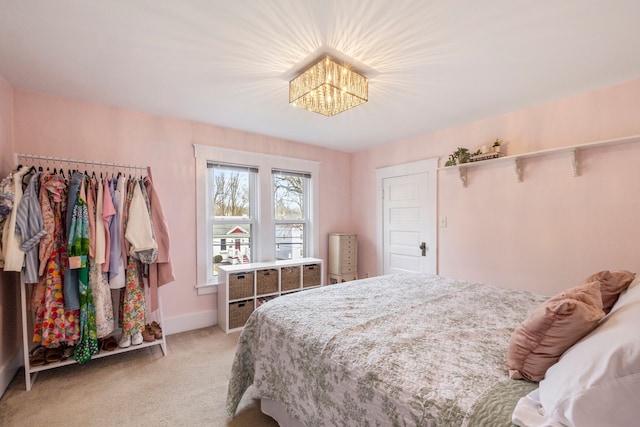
(239, 313)
(240, 285)
(289, 278)
(311, 275)
(267, 281)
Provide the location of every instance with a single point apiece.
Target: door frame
(429, 166)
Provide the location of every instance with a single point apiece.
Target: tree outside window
(290, 204)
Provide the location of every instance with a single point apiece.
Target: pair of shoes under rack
(152, 331)
(129, 340)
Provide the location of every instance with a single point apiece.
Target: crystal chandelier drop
(328, 88)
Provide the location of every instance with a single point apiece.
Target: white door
(409, 221)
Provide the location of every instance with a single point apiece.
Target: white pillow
(597, 381)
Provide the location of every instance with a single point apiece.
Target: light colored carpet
(188, 387)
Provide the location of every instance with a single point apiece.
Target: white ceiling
(432, 64)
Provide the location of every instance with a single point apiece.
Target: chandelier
(328, 88)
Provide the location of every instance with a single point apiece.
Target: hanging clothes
(80, 238)
(139, 232)
(117, 281)
(161, 271)
(7, 193)
(71, 290)
(48, 219)
(54, 323)
(114, 230)
(100, 237)
(108, 212)
(97, 279)
(87, 345)
(132, 316)
(91, 207)
(12, 254)
(30, 227)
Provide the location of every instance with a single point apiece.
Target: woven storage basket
(267, 281)
(311, 275)
(239, 313)
(240, 285)
(289, 278)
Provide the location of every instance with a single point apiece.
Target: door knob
(423, 246)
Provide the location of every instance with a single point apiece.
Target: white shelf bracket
(463, 175)
(575, 162)
(517, 168)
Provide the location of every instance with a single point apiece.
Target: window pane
(288, 196)
(231, 244)
(289, 241)
(230, 192)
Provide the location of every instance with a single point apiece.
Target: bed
(425, 350)
(402, 349)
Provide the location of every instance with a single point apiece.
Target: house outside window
(290, 212)
(233, 206)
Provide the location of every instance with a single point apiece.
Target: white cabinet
(244, 287)
(343, 257)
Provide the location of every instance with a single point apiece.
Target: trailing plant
(458, 157)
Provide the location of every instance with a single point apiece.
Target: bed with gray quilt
(397, 350)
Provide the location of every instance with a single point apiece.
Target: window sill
(207, 288)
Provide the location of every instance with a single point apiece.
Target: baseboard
(188, 322)
(9, 370)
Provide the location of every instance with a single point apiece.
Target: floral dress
(79, 252)
(132, 302)
(54, 325)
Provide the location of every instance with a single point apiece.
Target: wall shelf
(516, 159)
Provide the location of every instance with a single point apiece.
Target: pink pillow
(612, 284)
(551, 329)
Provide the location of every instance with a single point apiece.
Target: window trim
(306, 202)
(265, 163)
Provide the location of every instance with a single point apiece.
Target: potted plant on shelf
(458, 157)
(496, 145)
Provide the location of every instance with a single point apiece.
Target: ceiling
(431, 64)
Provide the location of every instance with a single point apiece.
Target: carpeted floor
(188, 387)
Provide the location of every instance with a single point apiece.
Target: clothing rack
(52, 161)
(31, 372)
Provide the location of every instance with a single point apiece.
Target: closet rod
(84, 162)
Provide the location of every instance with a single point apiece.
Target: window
(233, 206)
(290, 212)
(252, 207)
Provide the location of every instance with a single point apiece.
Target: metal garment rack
(60, 161)
(30, 372)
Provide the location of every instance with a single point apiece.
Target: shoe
(125, 341)
(67, 352)
(37, 356)
(147, 334)
(54, 354)
(136, 339)
(109, 343)
(156, 329)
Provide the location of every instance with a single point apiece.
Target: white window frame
(306, 202)
(264, 235)
(253, 209)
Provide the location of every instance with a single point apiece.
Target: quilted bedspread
(398, 350)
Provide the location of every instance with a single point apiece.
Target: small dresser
(343, 257)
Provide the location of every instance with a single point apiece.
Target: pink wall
(9, 315)
(55, 126)
(545, 233)
(551, 230)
